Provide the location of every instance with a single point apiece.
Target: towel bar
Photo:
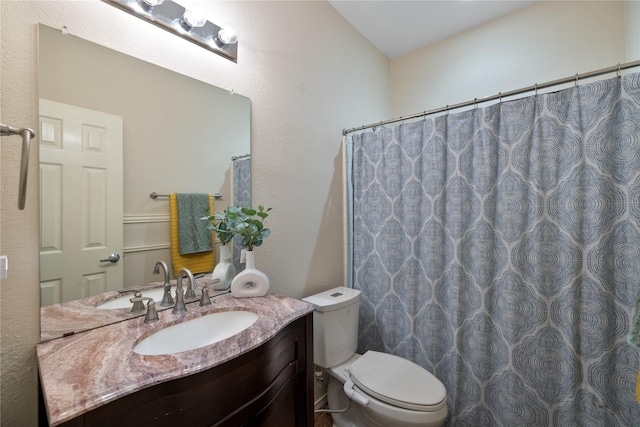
(155, 195)
(27, 135)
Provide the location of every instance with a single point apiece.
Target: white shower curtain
(499, 248)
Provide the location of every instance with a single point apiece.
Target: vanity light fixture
(227, 35)
(188, 23)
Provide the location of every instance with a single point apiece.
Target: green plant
(223, 223)
(252, 229)
(242, 220)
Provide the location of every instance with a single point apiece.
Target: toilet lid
(397, 381)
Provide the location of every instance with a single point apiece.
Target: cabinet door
(282, 411)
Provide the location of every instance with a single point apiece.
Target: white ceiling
(397, 27)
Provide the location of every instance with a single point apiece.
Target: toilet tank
(335, 325)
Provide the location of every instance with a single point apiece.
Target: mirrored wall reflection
(178, 135)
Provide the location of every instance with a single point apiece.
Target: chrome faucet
(167, 299)
(180, 307)
(151, 315)
(191, 286)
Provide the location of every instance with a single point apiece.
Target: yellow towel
(199, 262)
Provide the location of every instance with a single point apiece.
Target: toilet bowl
(373, 389)
(385, 390)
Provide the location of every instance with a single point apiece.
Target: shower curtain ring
(474, 103)
(447, 109)
(577, 79)
(536, 88)
(619, 70)
(500, 97)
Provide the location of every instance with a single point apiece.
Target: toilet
(379, 389)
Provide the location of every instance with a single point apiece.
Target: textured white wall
(632, 28)
(546, 41)
(308, 73)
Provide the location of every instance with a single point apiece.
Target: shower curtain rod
(616, 68)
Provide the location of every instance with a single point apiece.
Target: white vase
(250, 282)
(224, 271)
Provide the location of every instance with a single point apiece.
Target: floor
(322, 420)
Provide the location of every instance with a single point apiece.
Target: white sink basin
(123, 301)
(196, 333)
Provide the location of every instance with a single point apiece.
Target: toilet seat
(397, 381)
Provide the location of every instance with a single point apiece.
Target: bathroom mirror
(179, 135)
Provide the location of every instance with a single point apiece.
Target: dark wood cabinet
(272, 385)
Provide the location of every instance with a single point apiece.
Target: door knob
(112, 258)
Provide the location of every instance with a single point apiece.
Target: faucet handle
(138, 305)
(205, 300)
(152, 313)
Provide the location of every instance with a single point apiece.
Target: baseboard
(320, 402)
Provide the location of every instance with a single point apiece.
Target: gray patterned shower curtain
(241, 178)
(499, 248)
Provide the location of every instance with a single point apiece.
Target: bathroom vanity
(260, 376)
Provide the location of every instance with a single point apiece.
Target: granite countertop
(86, 370)
(71, 317)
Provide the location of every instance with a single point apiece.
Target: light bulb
(228, 34)
(194, 16)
